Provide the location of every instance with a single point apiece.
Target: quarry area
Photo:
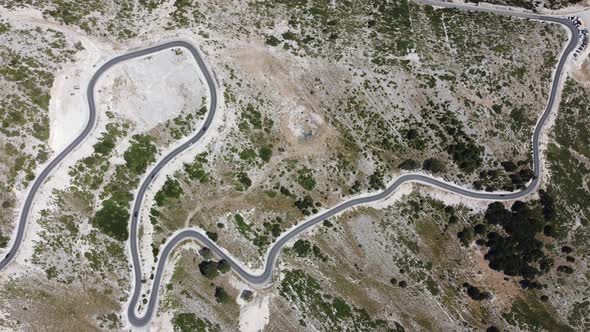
(317, 102)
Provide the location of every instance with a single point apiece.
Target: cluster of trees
(475, 293)
(274, 228)
(528, 4)
(265, 153)
(409, 164)
(303, 248)
(549, 211)
(432, 165)
(112, 218)
(401, 283)
(511, 236)
(141, 153)
(493, 179)
(415, 139)
(516, 253)
(247, 295)
(466, 155)
(376, 180)
(211, 269)
(195, 170)
(244, 180)
(306, 205)
(522, 177)
(170, 189)
(513, 176)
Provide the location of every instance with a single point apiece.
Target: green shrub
(272, 40)
(4, 27)
(195, 170)
(212, 235)
(221, 295)
(305, 179)
(341, 308)
(434, 165)
(302, 248)
(244, 180)
(243, 227)
(223, 266)
(170, 189)
(141, 153)
(247, 154)
(188, 322)
(466, 156)
(409, 164)
(265, 153)
(208, 269)
(112, 220)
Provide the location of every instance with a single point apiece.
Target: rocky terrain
(319, 101)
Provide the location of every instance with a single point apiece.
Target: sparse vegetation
(188, 322)
(306, 292)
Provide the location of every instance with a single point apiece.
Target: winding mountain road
(139, 320)
(274, 251)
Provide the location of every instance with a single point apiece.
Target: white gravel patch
(254, 315)
(153, 89)
(161, 322)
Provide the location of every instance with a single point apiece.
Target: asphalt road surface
(274, 251)
(134, 319)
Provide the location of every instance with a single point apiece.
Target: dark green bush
(302, 248)
(466, 155)
(170, 189)
(305, 179)
(265, 153)
(208, 269)
(112, 220)
(223, 266)
(409, 164)
(434, 165)
(141, 153)
(221, 295)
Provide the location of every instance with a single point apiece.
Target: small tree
(208, 269)
(247, 295)
(205, 253)
(212, 235)
(409, 164)
(265, 153)
(434, 165)
(223, 266)
(221, 295)
(302, 248)
(305, 178)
